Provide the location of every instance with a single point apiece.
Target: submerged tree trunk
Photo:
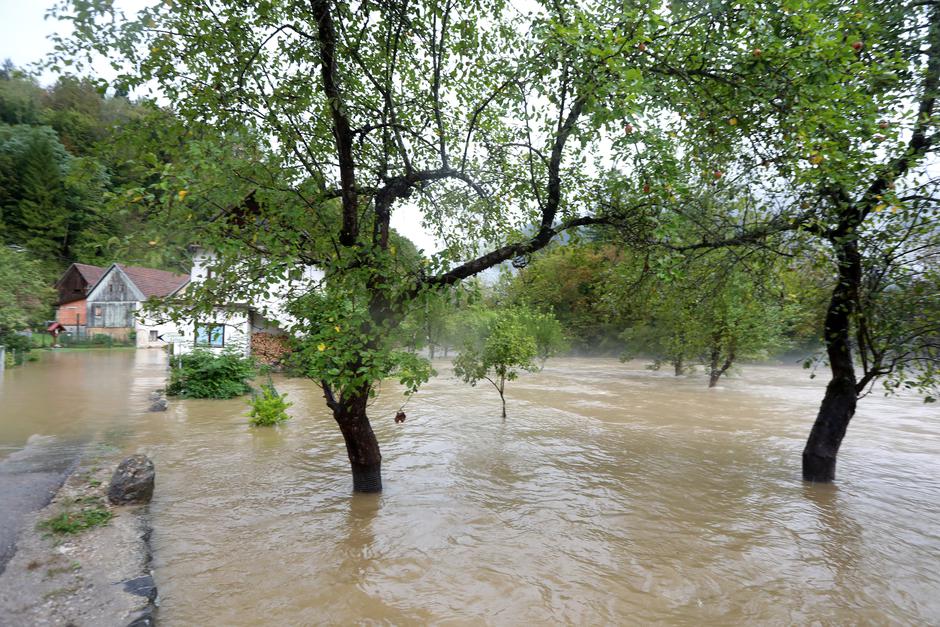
(822, 447)
(677, 364)
(362, 446)
(838, 404)
(714, 370)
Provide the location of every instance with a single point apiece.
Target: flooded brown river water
(611, 495)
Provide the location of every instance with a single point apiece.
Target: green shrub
(202, 374)
(15, 341)
(268, 407)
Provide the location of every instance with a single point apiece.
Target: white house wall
(236, 333)
(150, 332)
(272, 309)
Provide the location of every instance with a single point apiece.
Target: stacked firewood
(269, 349)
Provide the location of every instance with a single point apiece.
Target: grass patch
(58, 592)
(58, 570)
(68, 523)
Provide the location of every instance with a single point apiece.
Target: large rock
(132, 482)
(159, 405)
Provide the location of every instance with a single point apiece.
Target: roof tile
(90, 273)
(158, 283)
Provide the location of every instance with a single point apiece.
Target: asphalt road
(29, 478)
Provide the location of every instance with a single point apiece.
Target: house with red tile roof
(114, 304)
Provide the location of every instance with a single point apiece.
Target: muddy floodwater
(611, 494)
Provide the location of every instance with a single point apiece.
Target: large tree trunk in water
(365, 459)
(838, 405)
(677, 364)
(822, 447)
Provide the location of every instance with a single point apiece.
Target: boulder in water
(159, 405)
(132, 481)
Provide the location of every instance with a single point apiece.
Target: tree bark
(677, 364)
(838, 405)
(362, 446)
(715, 371)
(822, 447)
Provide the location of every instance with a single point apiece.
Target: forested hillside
(65, 161)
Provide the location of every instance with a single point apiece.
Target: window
(212, 335)
(153, 336)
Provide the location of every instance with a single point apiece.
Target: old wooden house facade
(113, 306)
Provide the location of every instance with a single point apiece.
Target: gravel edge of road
(99, 576)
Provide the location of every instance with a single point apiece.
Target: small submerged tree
(268, 406)
(504, 343)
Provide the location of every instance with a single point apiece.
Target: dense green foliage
(24, 294)
(711, 311)
(202, 374)
(68, 155)
(574, 282)
(268, 407)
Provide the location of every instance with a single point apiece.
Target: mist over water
(611, 494)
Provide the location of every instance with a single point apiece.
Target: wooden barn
(114, 303)
(73, 288)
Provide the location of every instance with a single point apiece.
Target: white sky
(24, 40)
(24, 32)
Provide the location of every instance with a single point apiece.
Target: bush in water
(268, 407)
(202, 374)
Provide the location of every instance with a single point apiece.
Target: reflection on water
(611, 494)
